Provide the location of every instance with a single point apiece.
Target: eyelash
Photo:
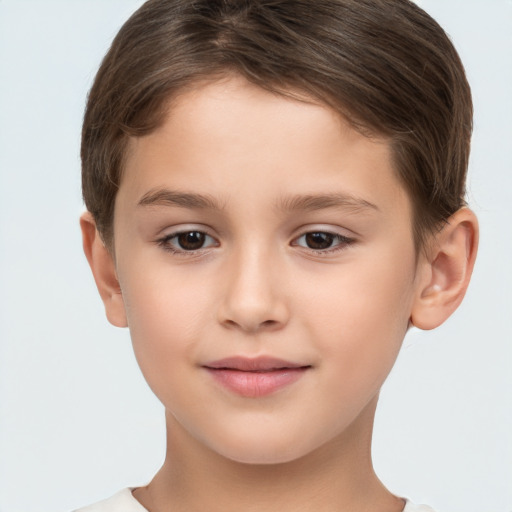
(341, 243)
(166, 243)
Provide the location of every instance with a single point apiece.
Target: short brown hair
(385, 65)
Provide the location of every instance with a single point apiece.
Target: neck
(336, 477)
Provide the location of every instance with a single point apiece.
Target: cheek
(360, 316)
(167, 314)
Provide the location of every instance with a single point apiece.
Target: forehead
(228, 136)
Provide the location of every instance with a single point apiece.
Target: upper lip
(252, 364)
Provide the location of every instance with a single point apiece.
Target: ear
(444, 273)
(103, 269)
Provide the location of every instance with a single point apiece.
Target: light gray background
(77, 421)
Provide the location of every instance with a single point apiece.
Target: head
(276, 185)
(384, 65)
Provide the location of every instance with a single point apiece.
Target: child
(275, 194)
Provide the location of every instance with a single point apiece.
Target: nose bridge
(253, 297)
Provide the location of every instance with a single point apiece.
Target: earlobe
(444, 274)
(103, 269)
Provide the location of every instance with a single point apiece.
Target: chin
(261, 457)
(262, 451)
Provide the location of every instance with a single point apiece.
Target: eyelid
(164, 240)
(170, 231)
(344, 240)
(327, 227)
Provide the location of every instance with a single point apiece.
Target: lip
(255, 377)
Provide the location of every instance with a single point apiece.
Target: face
(265, 255)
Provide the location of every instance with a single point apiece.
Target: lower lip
(256, 384)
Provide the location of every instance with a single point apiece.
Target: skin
(257, 287)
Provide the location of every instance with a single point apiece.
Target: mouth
(255, 377)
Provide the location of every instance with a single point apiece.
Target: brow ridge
(166, 197)
(311, 202)
(305, 202)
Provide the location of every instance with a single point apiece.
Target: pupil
(319, 240)
(191, 241)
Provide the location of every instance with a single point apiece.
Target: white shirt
(124, 501)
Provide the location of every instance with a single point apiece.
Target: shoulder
(123, 501)
(411, 507)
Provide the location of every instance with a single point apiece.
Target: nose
(254, 298)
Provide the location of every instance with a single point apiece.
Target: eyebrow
(166, 197)
(308, 202)
(323, 201)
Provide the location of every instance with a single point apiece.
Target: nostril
(252, 327)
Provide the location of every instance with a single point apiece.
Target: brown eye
(187, 242)
(319, 240)
(191, 240)
(323, 242)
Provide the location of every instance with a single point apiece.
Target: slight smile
(255, 377)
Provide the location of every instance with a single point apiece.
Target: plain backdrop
(77, 421)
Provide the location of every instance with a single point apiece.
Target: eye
(323, 241)
(187, 241)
